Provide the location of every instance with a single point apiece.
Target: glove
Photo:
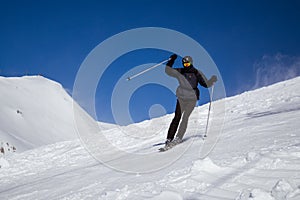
(171, 60)
(214, 79)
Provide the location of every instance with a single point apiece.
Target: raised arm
(169, 70)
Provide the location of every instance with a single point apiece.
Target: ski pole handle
(148, 69)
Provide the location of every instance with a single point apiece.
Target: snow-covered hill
(256, 157)
(34, 111)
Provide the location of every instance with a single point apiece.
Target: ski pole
(148, 69)
(211, 95)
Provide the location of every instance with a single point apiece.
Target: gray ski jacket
(188, 79)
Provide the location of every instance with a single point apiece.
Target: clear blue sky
(52, 38)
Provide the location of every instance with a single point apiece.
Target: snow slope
(34, 111)
(256, 157)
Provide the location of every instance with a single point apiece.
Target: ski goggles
(186, 64)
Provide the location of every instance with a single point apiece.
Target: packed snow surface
(256, 156)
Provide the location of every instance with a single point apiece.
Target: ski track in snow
(256, 157)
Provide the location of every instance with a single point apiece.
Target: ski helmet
(187, 59)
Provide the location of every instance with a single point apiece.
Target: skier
(187, 95)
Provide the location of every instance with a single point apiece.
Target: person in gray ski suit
(187, 95)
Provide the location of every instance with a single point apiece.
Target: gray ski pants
(184, 108)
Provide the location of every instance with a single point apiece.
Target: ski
(158, 144)
(165, 148)
(170, 145)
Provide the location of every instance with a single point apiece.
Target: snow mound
(281, 190)
(167, 195)
(3, 163)
(206, 165)
(259, 194)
